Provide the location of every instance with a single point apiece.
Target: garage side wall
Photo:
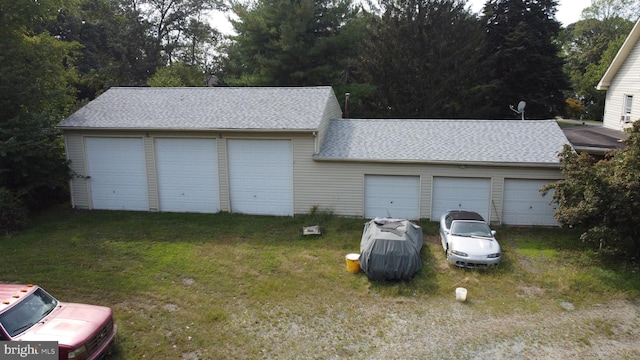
(333, 186)
(74, 147)
(152, 179)
(338, 187)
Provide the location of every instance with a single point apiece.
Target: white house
(286, 150)
(622, 83)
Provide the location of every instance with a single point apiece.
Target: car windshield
(27, 312)
(470, 228)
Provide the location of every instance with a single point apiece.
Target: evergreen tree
(523, 57)
(423, 58)
(290, 42)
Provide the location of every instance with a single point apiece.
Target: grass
(187, 282)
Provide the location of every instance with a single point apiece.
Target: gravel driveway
(372, 328)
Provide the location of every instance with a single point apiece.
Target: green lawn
(185, 283)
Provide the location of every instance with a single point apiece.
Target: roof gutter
(462, 164)
(80, 128)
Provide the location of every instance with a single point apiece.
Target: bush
(13, 212)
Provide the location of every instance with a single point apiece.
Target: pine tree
(289, 43)
(523, 58)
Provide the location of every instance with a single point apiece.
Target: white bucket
(461, 294)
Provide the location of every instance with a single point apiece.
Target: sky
(568, 12)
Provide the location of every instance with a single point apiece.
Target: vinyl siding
(332, 111)
(338, 187)
(74, 146)
(150, 167)
(333, 186)
(223, 175)
(625, 82)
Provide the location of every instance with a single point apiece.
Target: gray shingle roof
(535, 142)
(261, 108)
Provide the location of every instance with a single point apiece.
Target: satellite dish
(520, 110)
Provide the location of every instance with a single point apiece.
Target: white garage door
(261, 176)
(116, 168)
(525, 205)
(451, 193)
(392, 196)
(187, 171)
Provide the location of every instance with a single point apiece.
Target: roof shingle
(460, 141)
(200, 108)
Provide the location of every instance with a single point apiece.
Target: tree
(602, 197)
(180, 29)
(589, 46)
(523, 58)
(423, 56)
(178, 75)
(609, 9)
(290, 42)
(36, 71)
(117, 46)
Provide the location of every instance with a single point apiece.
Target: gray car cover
(390, 249)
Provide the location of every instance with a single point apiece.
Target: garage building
(284, 151)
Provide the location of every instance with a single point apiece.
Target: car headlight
(77, 354)
(459, 253)
(493, 256)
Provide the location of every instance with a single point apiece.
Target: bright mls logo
(32, 350)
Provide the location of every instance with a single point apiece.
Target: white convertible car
(468, 241)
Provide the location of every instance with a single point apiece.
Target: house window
(628, 100)
(626, 111)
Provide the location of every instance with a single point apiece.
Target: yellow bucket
(353, 263)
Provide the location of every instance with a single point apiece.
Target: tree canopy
(423, 57)
(36, 74)
(285, 42)
(589, 46)
(524, 58)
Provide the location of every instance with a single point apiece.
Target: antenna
(520, 110)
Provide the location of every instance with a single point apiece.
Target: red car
(28, 313)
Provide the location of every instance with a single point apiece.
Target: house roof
(593, 138)
(497, 142)
(204, 108)
(620, 57)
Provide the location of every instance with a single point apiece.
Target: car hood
(69, 324)
(474, 245)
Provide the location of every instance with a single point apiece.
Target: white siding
(74, 147)
(337, 187)
(625, 82)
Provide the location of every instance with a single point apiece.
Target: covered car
(390, 249)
